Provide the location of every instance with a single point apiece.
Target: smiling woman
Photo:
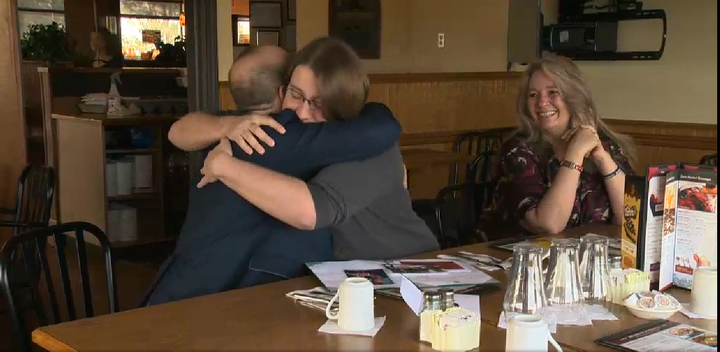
(564, 167)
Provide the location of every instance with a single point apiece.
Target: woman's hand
(209, 169)
(245, 131)
(585, 141)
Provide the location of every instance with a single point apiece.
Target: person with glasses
(364, 203)
(222, 231)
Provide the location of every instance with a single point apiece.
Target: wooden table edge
(49, 342)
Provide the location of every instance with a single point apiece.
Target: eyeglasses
(296, 94)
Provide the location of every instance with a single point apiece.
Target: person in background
(564, 167)
(365, 203)
(107, 49)
(222, 231)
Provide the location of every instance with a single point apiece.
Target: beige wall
(475, 34)
(225, 39)
(681, 87)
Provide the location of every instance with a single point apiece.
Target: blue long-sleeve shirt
(222, 229)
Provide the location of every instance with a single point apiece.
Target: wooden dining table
(262, 318)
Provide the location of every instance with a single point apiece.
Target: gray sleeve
(340, 190)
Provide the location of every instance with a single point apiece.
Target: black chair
(30, 249)
(476, 143)
(35, 191)
(458, 207)
(710, 159)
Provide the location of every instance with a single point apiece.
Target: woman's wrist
(605, 163)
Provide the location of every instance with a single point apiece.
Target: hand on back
(209, 169)
(246, 132)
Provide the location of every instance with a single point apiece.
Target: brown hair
(344, 85)
(577, 96)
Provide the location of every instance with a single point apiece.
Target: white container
(124, 177)
(143, 171)
(128, 224)
(652, 314)
(111, 179)
(703, 296)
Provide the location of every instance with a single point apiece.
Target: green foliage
(47, 43)
(172, 53)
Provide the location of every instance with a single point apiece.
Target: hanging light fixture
(182, 20)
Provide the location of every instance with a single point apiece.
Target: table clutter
(576, 323)
(568, 282)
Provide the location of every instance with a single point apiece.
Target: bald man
(222, 230)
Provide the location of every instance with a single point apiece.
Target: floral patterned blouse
(522, 176)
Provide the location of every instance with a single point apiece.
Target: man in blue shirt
(222, 230)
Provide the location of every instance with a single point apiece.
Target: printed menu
(689, 234)
(642, 220)
(661, 335)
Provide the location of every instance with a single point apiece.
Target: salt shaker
(448, 298)
(432, 304)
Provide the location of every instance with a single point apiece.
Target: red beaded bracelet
(571, 165)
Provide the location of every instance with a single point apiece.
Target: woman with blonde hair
(564, 166)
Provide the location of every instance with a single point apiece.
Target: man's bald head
(256, 76)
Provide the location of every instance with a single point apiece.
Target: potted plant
(172, 54)
(47, 43)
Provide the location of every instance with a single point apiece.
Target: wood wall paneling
(434, 108)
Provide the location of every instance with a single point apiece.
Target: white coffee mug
(703, 295)
(356, 310)
(528, 332)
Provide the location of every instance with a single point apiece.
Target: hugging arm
(316, 145)
(198, 130)
(303, 148)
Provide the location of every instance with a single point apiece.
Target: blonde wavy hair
(575, 91)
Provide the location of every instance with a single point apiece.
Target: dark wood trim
(202, 62)
(661, 124)
(682, 138)
(441, 77)
(411, 139)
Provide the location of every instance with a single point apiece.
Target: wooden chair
(30, 250)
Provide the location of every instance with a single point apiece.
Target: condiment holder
(652, 305)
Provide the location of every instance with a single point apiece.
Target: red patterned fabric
(522, 176)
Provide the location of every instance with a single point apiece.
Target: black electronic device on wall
(357, 22)
(588, 30)
(585, 30)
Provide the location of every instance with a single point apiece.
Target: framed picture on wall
(241, 30)
(291, 10)
(290, 37)
(266, 14)
(267, 37)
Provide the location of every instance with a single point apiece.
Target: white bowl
(652, 314)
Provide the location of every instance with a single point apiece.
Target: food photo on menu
(689, 236)
(661, 335)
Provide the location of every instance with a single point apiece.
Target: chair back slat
(38, 238)
(40, 250)
(35, 191)
(66, 285)
(84, 275)
(476, 143)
